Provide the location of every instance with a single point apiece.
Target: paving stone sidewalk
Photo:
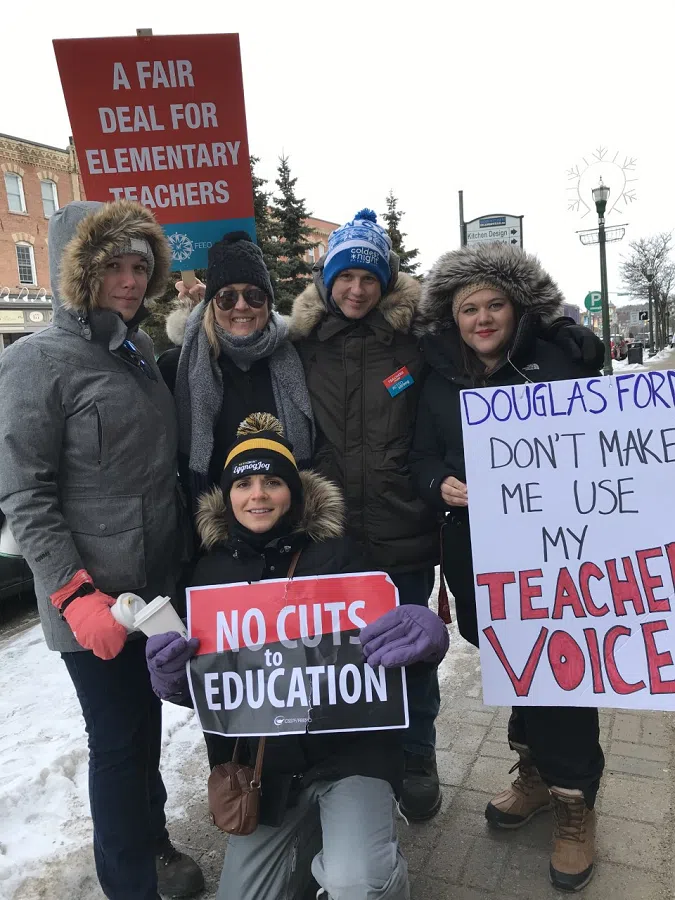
(456, 856)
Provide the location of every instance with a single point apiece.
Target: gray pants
(360, 859)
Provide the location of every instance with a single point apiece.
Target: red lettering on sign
(655, 660)
(495, 583)
(522, 684)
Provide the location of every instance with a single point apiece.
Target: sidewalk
(456, 856)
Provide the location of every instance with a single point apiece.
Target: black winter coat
(364, 433)
(438, 449)
(294, 761)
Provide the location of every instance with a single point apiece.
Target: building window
(16, 199)
(322, 250)
(25, 260)
(310, 255)
(50, 198)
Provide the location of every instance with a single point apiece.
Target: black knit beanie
(235, 259)
(262, 449)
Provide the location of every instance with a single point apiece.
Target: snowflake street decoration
(616, 170)
(181, 247)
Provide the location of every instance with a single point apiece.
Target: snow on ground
(621, 365)
(45, 827)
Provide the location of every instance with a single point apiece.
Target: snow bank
(45, 827)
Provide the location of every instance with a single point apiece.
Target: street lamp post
(600, 197)
(649, 274)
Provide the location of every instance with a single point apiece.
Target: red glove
(89, 617)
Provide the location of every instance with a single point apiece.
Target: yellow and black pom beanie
(262, 449)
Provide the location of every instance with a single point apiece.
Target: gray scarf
(199, 386)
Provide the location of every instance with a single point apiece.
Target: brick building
(319, 236)
(35, 180)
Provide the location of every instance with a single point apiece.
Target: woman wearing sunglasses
(235, 359)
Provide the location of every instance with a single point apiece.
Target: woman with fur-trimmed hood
(335, 788)
(88, 443)
(481, 319)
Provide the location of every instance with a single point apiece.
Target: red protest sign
(161, 120)
(284, 657)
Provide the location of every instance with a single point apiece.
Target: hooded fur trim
(519, 274)
(323, 512)
(398, 307)
(97, 235)
(176, 322)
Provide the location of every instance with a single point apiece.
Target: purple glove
(166, 656)
(403, 636)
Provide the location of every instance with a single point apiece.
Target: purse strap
(294, 562)
(443, 600)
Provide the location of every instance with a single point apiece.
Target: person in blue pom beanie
(360, 244)
(364, 373)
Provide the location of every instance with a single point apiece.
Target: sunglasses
(131, 354)
(228, 297)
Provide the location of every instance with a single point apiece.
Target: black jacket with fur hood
(363, 433)
(437, 447)
(293, 761)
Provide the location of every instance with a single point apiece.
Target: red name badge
(399, 381)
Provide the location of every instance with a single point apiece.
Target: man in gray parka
(88, 485)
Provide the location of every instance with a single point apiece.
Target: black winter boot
(421, 793)
(178, 875)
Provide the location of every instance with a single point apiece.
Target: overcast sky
(500, 99)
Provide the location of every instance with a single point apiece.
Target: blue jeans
(124, 725)
(424, 697)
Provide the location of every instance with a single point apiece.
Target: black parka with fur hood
(438, 450)
(295, 760)
(363, 433)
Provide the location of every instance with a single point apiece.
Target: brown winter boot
(527, 795)
(571, 865)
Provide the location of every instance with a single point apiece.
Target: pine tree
(265, 226)
(393, 219)
(288, 214)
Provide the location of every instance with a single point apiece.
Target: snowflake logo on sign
(181, 247)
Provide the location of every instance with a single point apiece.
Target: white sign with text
(570, 489)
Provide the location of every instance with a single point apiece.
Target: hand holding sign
(166, 656)
(404, 636)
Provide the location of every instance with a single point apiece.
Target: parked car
(15, 575)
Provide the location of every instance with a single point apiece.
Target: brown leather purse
(234, 789)
(234, 793)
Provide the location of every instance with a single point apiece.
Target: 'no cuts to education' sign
(161, 120)
(284, 657)
(570, 490)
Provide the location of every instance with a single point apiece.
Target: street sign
(593, 302)
(643, 316)
(500, 229)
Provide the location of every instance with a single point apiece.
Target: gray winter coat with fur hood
(87, 439)
(363, 433)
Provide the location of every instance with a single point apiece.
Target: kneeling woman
(480, 319)
(333, 789)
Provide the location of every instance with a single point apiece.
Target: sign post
(572, 539)
(284, 657)
(161, 120)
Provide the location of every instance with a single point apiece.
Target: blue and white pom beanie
(360, 244)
